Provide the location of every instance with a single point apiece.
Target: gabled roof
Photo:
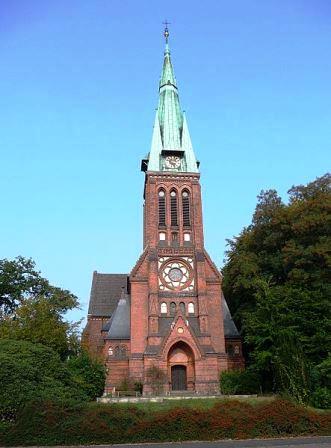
(105, 292)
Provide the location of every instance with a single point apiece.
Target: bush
(93, 423)
(321, 398)
(156, 378)
(239, 382)
(30, 372)
(88, 374)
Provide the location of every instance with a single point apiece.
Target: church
(169, 312)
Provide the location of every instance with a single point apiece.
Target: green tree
(19, 280)
(32, 309)
(88, 373)
(276, 279)
(32, 372)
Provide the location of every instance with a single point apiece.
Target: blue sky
(78, 90)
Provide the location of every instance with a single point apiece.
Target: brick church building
(169, 311)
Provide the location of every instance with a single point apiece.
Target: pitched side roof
(230, 329)
(119, 327)
(105, 293)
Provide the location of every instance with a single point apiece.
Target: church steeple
(171, 148)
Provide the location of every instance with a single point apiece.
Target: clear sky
(78, 90)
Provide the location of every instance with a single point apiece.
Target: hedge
(52, 423)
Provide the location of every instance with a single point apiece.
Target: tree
(276, 279)
(88, 373)
(31, 372)
(19, 281)
(32, 309)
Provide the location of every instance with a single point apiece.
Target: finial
(166, 30)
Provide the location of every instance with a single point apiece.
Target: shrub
(88, 374)
(321, 398)
(156, 378)
(52, 423)
(239, 382)
(28, 372)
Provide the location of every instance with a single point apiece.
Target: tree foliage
(277, 282)
(88, 374)
(33, 372)
(32, 309)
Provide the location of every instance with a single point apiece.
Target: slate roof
(105, 293)
(230, 329)
(119, 325)
(105, 302)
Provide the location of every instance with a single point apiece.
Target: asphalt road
(298, 442)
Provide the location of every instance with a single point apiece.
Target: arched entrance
(181, 372)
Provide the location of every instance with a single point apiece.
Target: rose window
(175, 274)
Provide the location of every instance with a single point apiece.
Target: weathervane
(166, 31)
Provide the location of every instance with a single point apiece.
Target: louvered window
(173, 208)
(186, 209)
(162, 209)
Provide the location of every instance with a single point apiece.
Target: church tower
(170, 314)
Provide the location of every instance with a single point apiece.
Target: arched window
(123, 351)
(190, 308)
(164, 308)
(182, 307)
(172, 308)
(186, 208)
(117, 351)
(162, 208)
(173, 208)
(110, 351)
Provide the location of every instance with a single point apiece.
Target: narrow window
(173, 208)
(182, 307)
(172, 308)
(162, 236)
(186, 209)
(162, 209)
(110, 351)
(174, 236)
(191, 308)
(164, 309)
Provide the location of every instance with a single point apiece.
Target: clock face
(172, 162)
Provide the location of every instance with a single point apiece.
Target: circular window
(180, 330)
(161, 193)
(173, 194)
(185, 194)
(176, 274)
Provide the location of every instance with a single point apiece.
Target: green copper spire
(170, 133)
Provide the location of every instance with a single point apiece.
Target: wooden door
(178, 378)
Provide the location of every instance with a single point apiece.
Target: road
(298, 442)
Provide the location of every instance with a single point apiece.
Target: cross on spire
(166, 30)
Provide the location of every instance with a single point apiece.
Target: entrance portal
(178, 378)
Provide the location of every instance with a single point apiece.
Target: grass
(195, 403)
